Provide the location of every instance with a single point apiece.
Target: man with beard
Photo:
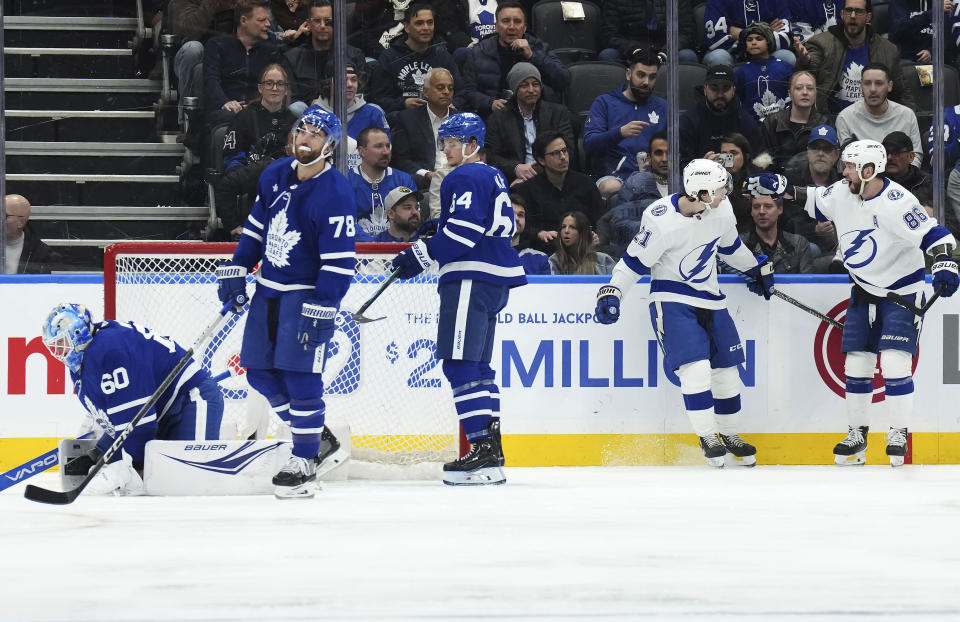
(836, 58)
(512, 129)
(621, 122)
(373, 179)
(403, 214)
(814, 167)
(716, 115)
(875, 116)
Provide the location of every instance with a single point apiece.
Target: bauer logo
(830, 360)
(230, 464)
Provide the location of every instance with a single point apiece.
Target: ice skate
(296, 479)
(713, 450)
(744, 454)
(331, 454)
(896, 446)
(481, 466)
(853, 449)
(495, 437)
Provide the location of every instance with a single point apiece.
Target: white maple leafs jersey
(882, 239)
(680, 253)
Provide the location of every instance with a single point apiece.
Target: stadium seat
(215, 168)
(923, 95)
(571, 40)
(589, 80)
(881, 18)
(699, 13)
(689, 76)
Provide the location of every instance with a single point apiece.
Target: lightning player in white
(115, 367)
(678, 242)
(478, 266)
(302, 227)
(884, 233)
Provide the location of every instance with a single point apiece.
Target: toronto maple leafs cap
(824, 132)
(897, 142)
(396, 195)
(720, 74)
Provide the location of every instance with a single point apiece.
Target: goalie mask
(464, 127)
(705, 176)
(320, 119)
(863, 153)
(66, 333)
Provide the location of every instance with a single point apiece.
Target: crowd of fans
(787, 83)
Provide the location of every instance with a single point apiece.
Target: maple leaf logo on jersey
(376, 222)
(100, 417)
(280, 241)
(654, 117)
(769, 104)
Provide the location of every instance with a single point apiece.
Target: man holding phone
(716, 115)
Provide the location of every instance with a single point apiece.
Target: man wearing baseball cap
(403, 213)
(901, 169)
(716, 115)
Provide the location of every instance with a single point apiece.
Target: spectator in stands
(403, 214)
(874, 115)
(373, 179)
(512, 129)
(622, 121)
(628, 25)
(25, 251)
(811, 17)
(575, 252)
(912, 31)
(716, 115)
(787, 132)
(397, 81)
(490, 61)
(902, 169)
(360, 113)
(761, 81)
(311, 63)
(817, 166)
(836, 58)
(951, 164)
(737, 156)
(290, 17)
(533, 261)
(415, 134)
(374, 23)
(462, 23)
(557, 190)
(233, 64)
(788, 252)
(650, 182)
(256, 137)
(724, 19)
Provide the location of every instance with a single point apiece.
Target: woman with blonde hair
(575, 248)
(787, 132)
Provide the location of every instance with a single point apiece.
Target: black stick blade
(899, 300)
(53, 497)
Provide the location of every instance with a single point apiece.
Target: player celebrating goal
(302, 228)
(678, 242)
(115, 368)
(477, 269)
(884, 233)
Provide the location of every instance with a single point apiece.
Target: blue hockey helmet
(464, 127)
(322, 120)
(66, 332)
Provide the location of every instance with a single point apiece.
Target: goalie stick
(789, 299)
(359, 317)
(909, 306)
(55, 497)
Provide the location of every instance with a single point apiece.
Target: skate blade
(896, 461)
(303, 491)
(743, 461)
(333, 461)
(852, 460)
(716, 462)
(481, 477)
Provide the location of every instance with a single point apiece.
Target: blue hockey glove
(769, 184)
(760, 278)
(608, 304)
(413, 260)
(316, 324)
(945, 275)
(232, 285)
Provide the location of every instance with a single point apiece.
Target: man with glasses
(718, 114)
(310, 64)
(837, 57)
(901, 167)
(556, 191)
(372, 180)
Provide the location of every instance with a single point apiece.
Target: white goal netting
(381, 378)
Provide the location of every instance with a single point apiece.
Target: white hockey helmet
(703, 175)
(861, 153)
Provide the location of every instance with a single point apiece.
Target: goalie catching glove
(608, 304)
(232, 285)
(412, 261)
(316, 324)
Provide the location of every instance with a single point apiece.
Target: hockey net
(382, 378)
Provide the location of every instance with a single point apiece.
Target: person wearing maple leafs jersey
(301, 231)
(762, 81)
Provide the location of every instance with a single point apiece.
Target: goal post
(382, 378)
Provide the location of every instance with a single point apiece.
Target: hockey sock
(897, 367)
(474, 409)
(726, 399)
(307, 412)
(859, 396)
(270, 385)
(697, 397)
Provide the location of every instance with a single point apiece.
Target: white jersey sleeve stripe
(338, 270)
(344, 255)
(256, 223)
(123, 407)
(457, 238)
(253, 235)
(467, 224)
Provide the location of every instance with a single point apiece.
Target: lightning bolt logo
(859, 240)
(704, 261)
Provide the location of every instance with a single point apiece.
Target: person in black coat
(718, 113)
(25, 251)
(414, 130)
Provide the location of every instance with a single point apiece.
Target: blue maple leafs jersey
(122, 366)
(720, 15)
(369, 196)
(762, 86)
(475, 229)
(882, 239)
(303, 231)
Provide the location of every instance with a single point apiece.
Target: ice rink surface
(648, 543)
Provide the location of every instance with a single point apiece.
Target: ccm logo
(203, 447)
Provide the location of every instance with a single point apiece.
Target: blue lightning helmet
(464, 127)
(322, 120)
(66, 332)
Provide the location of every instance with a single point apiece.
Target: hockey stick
(789, 299)
(358, 317)
(55, 497)
(909, 306)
